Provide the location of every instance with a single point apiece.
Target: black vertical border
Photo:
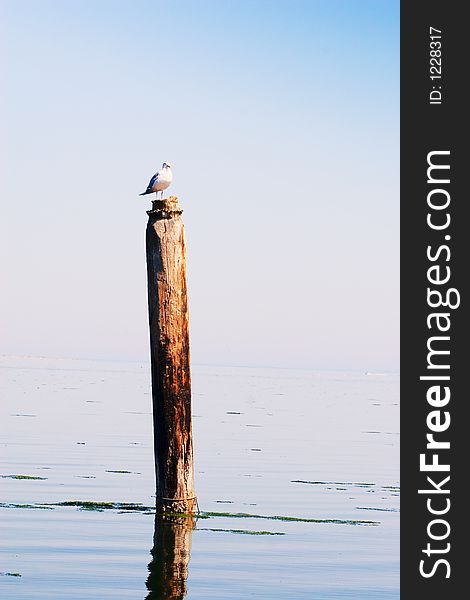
(425, 128)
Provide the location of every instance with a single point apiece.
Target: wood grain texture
(169, 350)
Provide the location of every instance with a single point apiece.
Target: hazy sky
(280, 119)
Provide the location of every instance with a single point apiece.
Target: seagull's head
(166, 166)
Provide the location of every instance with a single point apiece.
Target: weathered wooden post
(169, 351)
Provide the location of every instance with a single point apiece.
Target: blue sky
(281, 120)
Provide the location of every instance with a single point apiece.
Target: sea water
(296, 476)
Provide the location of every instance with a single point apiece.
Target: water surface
(316, 450)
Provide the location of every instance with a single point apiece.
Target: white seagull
(160, 181)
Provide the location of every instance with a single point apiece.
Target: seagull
(160, 181)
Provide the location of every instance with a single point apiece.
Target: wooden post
(169, 351)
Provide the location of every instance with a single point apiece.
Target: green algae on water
(100, 506)
(30, 477)
(322, 482)
(208, 515)
(140, 508)
(117, 471)
(13, 505)
(240, 531)
(377, 508)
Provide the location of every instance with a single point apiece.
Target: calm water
(268, 442)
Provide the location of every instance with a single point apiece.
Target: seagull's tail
(145, 193)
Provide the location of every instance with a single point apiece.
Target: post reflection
(170, 558)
